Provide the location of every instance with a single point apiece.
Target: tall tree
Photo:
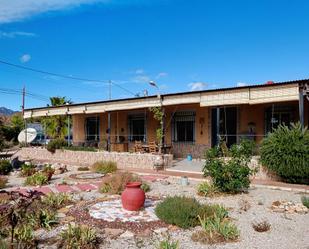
(56, 126)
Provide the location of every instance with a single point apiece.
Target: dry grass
(261, 226)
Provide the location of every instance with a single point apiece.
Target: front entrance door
(224, 125)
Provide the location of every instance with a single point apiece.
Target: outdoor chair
(152, 147)
(138, 147)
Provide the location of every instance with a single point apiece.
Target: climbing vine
(158, 115)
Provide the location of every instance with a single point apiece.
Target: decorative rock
(288, 207)
(60, 215)
(161, 230)
(127, 235)
(63, 210)
(113, 232)
(145, 234)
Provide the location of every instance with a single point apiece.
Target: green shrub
(167, 243)
(104, 167)
(214, 210)
(3, 181)
(180, 211)
(28, 170)
(24, 237)
(305, 201)
(44, 218)
(215, 229)
(48, 170)
(78, 237)
(56, 201)
(206, 189)
(285, 151)
(230, 174)
(145, 187)
(5, 167)
(36, 179)
(55, 144)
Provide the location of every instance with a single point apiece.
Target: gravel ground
(288, 231)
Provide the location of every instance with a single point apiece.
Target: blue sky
(182, 45)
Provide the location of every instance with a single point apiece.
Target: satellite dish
(28, 133)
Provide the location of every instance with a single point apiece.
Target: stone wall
(181, 150)
(86, 158)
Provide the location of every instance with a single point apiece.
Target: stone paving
(112, 211)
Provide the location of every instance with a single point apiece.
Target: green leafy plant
(285, 152)
(215, 229)
(167, 243)
(305, 201)
(28, 170)
(3, 181)
(104, 167)
(145, 187)
(78, 237)
(230, 174)
(56, 144)
(5, 167)
(179, 210)
(158, 115)
(48, 170)
(206, 189)
(36, 179)
(24, 237)
(56, 201)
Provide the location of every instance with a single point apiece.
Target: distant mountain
(6, 112)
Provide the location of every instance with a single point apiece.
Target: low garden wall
(86, 158)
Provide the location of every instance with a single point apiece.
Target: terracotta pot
(133, 197)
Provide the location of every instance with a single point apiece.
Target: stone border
(86, 158)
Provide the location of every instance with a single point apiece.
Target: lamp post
(153, 84)
(69, 128)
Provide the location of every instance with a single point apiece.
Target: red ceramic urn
(133, 197)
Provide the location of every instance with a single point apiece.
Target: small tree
(56, 126)
(285, 151)
(230, 174)
(158, 115)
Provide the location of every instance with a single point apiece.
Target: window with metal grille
(137, 129)
(92, 127)
(184, 126)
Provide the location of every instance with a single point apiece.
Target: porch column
(109, 131)
(218, 126)
(301, 106)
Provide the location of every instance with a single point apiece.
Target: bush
(36, 179)
(48, 170)
(285, 151)
(24, 237)
(305, 201)
(145, 187)
(230, 174)
(180, 211)
(104, 167)
(117, 182)
(28, 170)
(79, 236)
(43, 218)
(168, 244)
(215, 229)
(56, 201)
(206, 189)
(3, 181)
(5, 167)
(55, 144)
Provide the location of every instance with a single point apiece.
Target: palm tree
(56, 126)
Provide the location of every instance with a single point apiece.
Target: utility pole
(23, 112)
(110, 90)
